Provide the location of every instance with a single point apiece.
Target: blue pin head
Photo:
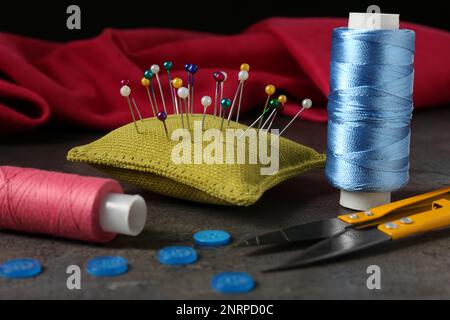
(193, 68)
(187, 67)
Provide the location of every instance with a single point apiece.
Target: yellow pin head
(245, 67)
(270, 89)
(145, 82)
(177, 83)
(282, 99)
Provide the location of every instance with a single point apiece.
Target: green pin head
(225, 103)
(148, 74)
(274, 103)
(168, 65)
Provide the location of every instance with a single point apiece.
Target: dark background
(47, 19)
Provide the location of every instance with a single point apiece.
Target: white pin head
(306, 103)
(243, 75)
(225, 75)
(183, 92)
(154, 68)
(206, 101)
(125, 91)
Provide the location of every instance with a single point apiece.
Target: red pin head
(219, 76)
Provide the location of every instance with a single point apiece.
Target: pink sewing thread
(53, 203)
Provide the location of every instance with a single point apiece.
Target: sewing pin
(282, 99)
(191, 69)
(242, 76)
(148, 74)
(125, 91)
(274, 105)
(155, 70)
(219, 77)
(206, 102)
(187, 67)
(306, 104)
(194, 69)
(225, 103)
(162, 116)
(222, 84)
(183, 93)
(176, 84)
(270, 90)
(127, 83)
(168, 66)
(146, 83)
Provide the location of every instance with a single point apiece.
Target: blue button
(20, 268)
(212, 238)
(107, 266)
(232, 282)
(177, 255)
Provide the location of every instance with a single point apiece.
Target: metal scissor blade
(347, 242)
(309, 231)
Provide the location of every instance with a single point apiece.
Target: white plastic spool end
(358, 20)
(123, 214)
(366, 200)
(363, 201)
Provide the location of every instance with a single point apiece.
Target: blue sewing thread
(370, 108)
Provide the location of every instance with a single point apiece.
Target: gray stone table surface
(413, 268)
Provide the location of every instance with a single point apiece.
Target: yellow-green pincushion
(145, 159)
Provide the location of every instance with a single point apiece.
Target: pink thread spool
(67, 205)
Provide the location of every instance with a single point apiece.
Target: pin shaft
(151, 101)
(234, 101)
(254, 123)
(152, 90)
(203, 118)
(174, 108)
(268, 119)
(264, 110)
(186, 106)
(239, 103)
(136, 108)
(189, 95)
(181, 112)
(223, 119)
(220, 99)
(161, 92)
(215, 99)
(132, 115)
(287, 126)
(271, 122)
(165, 129)
(173, 90)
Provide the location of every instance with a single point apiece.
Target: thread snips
(352, 232)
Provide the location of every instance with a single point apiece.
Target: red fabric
(78, 82)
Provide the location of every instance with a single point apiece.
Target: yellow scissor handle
(436, 218)
(381, 211)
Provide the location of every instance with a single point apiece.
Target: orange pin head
(282, 99)
(245, 67)
(270, 89)
(177, 83)
(145, 82)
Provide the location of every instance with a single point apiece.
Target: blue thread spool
(369, 109)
